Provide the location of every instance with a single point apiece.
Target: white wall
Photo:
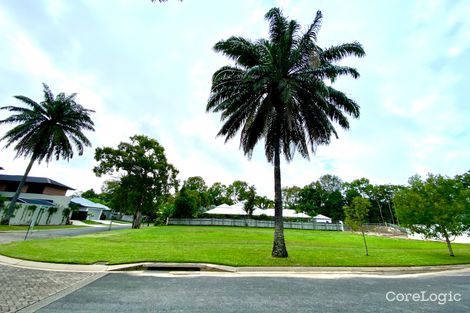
(24, 214)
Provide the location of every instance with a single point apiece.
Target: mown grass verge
(236, 247)
(42, 227)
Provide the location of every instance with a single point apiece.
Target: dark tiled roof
(37, 180)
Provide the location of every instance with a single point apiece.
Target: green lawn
(235, 246)
(15, 228)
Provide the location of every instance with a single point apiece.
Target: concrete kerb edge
(4, 260)
(101, 268)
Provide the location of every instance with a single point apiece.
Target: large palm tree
(46, 130)
(278, 91)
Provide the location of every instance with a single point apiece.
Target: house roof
(35, 201)
(237, 209)
(36, 180)
(89, 204)
(320, 216)
(227, 210)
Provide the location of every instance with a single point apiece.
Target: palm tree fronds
(337, 53)
(45, 130)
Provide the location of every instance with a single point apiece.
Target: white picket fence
(252, 223)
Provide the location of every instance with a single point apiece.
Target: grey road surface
(6, 237)
(144, 293)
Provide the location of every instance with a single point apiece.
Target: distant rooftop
(36, 180)
(89, 204)
(35, 201)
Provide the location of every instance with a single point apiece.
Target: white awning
(226, 209)
(89, 204)
(237, 209)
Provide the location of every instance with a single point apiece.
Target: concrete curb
(204, 267)
(4, 260)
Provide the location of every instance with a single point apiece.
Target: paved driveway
(6, 237)
(21, 287)
(134, 292)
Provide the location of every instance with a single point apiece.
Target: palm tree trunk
(279, 245)
(11, 207)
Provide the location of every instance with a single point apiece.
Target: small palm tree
(46, 130)
(277, 92)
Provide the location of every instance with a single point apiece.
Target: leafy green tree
(115, 197)
(165, 211)
(250, 201)
(89, 194)
(238, 190)
(464, 179)
(186, 203)
(363, 188)
(219, 194)
(357, 188)
(290, 197)
(381, 196)
(197, 184)
(146, 177)
(47, 130)
(437, 207)
(316, 199)
(331, 183)
(277, 92)
(356, 215)
(264, 202)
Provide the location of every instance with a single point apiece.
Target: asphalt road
(6, 237)
(141, 292)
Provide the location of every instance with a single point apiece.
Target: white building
(322, 219)
(89, 209)
(41, 199)
(238, 209)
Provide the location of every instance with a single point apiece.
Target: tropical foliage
(329, 194)
(356, 215)
(436, 207)
(277, 92)
(146, 178)
(51, 129)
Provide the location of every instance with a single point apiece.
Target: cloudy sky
(146, 68)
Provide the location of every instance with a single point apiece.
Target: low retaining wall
(251, 223)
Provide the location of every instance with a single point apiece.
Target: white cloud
(410, 90)
(56, 8)
(27, 57)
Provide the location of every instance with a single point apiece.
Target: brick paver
(20, 287)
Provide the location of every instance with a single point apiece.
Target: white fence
(252, 223)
